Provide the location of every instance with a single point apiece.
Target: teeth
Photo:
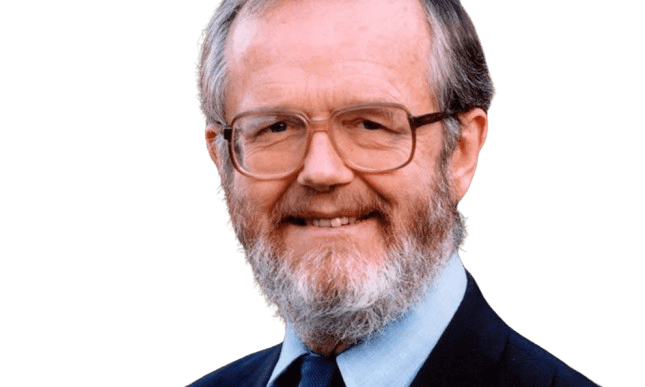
(324, 223)
(335, 222)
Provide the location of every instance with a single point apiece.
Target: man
(345, 133)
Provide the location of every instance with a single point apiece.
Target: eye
(371, 125)
(278, 127)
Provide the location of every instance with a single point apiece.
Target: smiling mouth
(335, 222)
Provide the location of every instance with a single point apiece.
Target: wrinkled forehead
(318, 29)
(330, 51)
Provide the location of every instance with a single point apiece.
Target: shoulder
(254, 369)
(524, 363)
(479, 349)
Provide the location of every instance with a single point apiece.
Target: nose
(323, 168)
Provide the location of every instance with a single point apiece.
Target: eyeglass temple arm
(227, 131)
(427, 119)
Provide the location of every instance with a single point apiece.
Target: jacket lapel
(470, 348)
(254, 370)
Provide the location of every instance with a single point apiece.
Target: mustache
(301, 203)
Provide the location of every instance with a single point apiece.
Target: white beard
(365, 304)
(357, 298)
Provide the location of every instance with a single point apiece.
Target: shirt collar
(394, 357)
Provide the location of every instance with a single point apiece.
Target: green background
(116, 266)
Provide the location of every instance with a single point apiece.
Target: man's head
(342, 251)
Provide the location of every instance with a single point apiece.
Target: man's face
(328, 223)
(317, 60)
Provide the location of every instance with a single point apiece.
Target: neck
(327, 349)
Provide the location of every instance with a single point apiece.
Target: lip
(310, 236)
(333, 223)
(320, 220)
(302, 234)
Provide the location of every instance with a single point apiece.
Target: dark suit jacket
(477, 349)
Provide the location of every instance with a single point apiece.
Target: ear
(212, 131)
(463, 162)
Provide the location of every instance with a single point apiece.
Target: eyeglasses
(375, 138)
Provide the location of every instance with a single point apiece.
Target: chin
(340, 295)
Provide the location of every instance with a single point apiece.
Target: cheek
(429, 144)
(258, 198)
(403, 188)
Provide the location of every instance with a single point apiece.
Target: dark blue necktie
(318, 371)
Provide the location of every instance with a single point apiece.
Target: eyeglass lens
(368, 139)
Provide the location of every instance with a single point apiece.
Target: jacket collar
(467, 353)
(470, 347)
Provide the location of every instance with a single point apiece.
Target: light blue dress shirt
(395, 356)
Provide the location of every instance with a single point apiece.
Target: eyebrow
(348, 103)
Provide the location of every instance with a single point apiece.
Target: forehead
(341, 49)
